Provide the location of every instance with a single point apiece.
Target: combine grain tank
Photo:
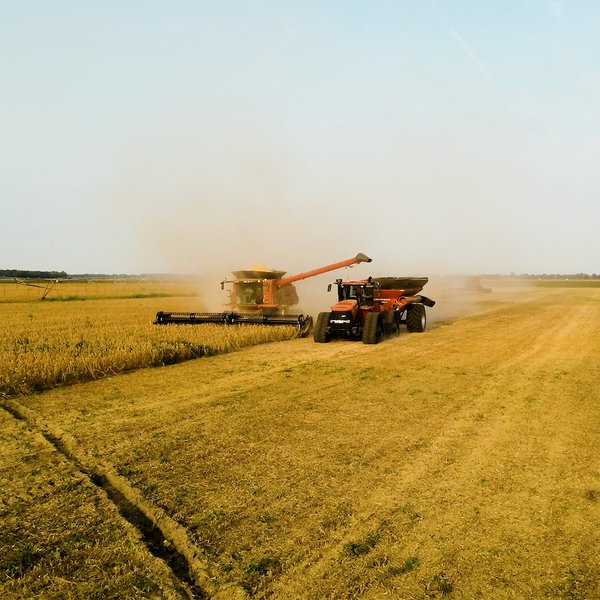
(372, 308)
(259, 296)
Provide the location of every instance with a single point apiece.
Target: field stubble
(460, 462)
(60, 537)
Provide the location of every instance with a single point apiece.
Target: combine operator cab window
(249, 293)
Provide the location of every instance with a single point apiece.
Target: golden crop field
(457, 463)
(95, 289)
(43, 344)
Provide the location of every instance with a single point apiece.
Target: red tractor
(374, 307)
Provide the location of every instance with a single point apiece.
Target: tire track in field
(163, 536)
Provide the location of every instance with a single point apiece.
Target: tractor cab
(361, 291)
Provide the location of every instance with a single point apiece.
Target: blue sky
(437, 137)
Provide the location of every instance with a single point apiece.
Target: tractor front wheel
(416, 320)
(320, 333)
(373, 330)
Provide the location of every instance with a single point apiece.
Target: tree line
(33, 274)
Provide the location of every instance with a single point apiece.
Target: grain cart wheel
(320, 333)
(416, 320)
(373, 331)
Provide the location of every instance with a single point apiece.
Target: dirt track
(459, 462)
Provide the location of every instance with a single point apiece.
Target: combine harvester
(259, 297)
(374, 307)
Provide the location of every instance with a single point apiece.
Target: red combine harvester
(374, 307)
(259, 297)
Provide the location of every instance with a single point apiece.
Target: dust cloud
(205, 199)
(454, 298)
(460, 296)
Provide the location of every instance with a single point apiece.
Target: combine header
(259, 297)
(374, 307)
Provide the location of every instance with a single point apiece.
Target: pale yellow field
(462, 462)
(11, 291)
(43, 344)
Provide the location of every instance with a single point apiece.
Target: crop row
(47, 344)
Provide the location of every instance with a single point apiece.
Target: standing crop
(47, 344)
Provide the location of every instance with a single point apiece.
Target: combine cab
(373, 308)
(259, 297)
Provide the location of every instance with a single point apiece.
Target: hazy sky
(435, 136)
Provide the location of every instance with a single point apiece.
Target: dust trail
(460, 296)
(453, 300)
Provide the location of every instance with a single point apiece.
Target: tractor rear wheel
(373, 330)
(416, 319)
(320, 333)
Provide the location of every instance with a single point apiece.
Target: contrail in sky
(473, 56)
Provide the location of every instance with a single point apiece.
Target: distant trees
(33, 274)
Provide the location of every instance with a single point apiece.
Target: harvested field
(61, 537)
(457, 463)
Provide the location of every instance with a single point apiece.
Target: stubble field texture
(458, 463)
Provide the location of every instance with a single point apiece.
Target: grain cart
(259, 296)
(374, 307)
